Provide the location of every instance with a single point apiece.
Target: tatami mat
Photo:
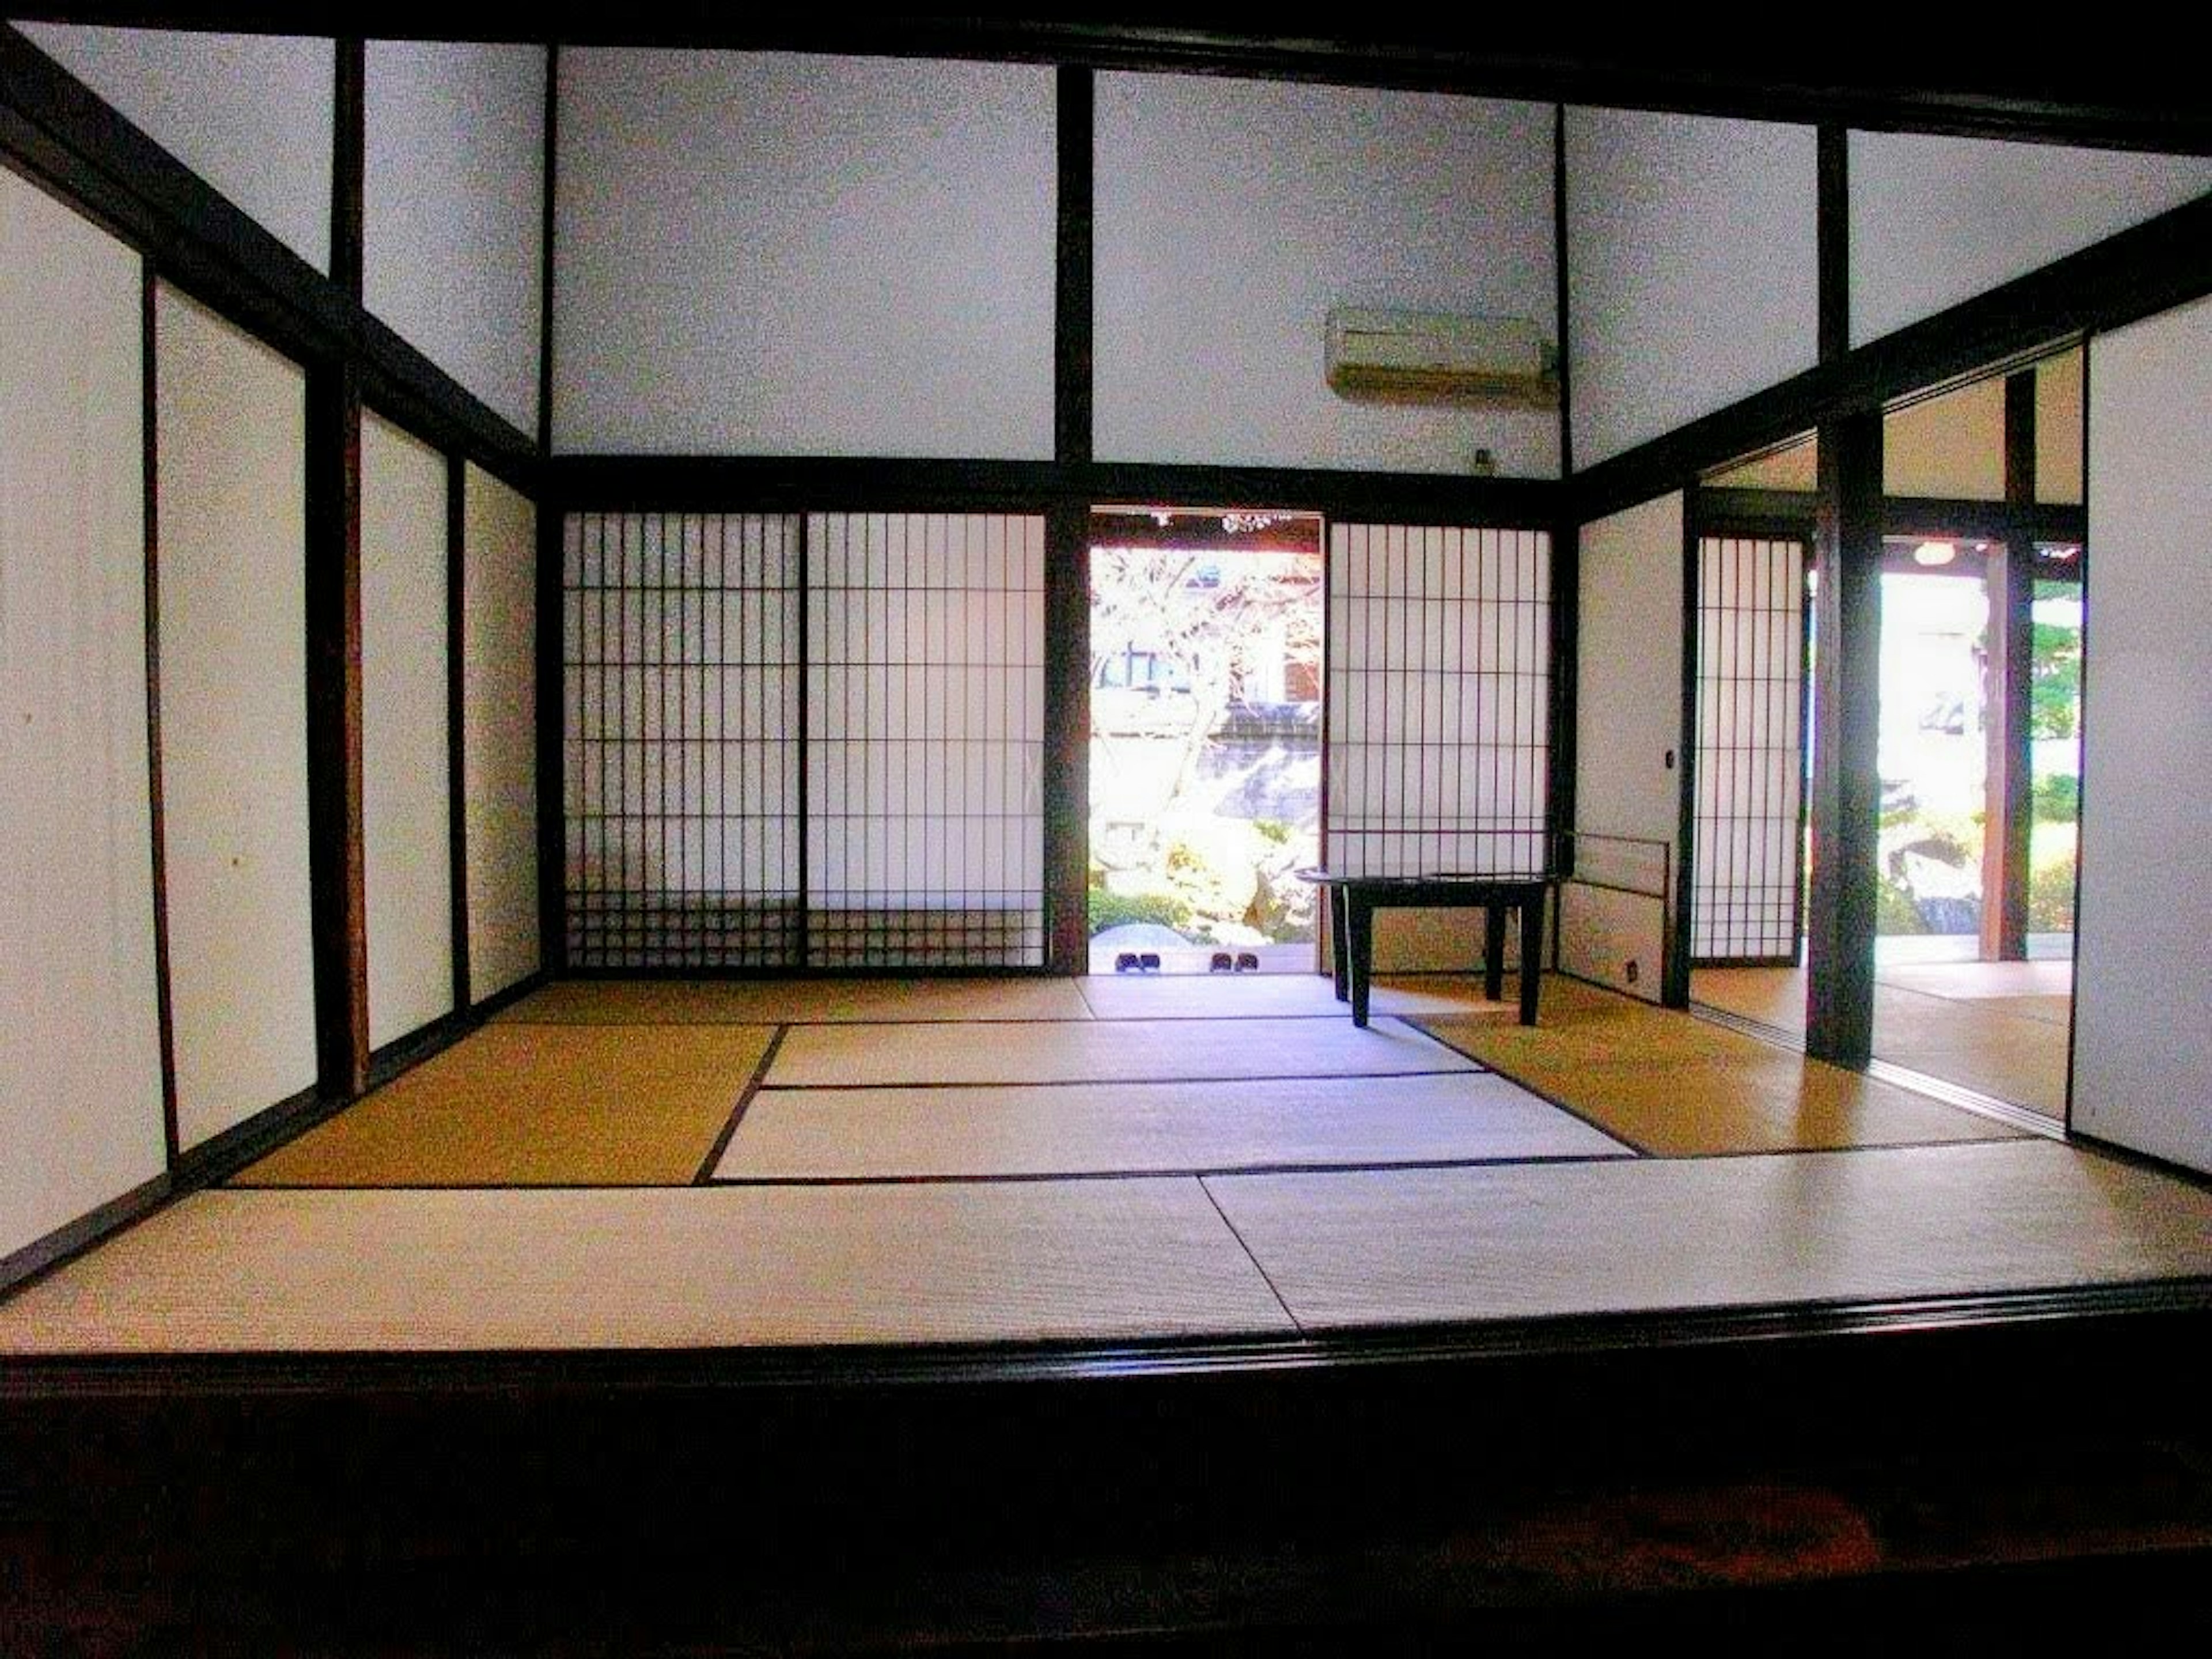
(1078, 1129)
(1500, 1242)
(1248, 996)
(536, 1105)
(1999, 1028)
(693, 1268)
(1673, 1085)
(2008, 1046)
(780, 1002)
(1105, 1051)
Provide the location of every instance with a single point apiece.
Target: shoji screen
(499, 732)
(81, 1120)
(680, 654)
(925, 745)
(1750, 750)
(231, 430)
(1439, 686)
(406, 829)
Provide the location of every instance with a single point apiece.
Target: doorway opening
(1205, 739)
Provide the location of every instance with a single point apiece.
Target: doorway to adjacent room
(1205, 739)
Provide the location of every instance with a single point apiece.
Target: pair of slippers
(1131, 962)
(1244, 962)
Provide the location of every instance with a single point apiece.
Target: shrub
(1110, 909)
(2057, 799)
(1894, 910)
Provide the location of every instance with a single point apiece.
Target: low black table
(1355, 899)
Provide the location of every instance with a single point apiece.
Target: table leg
(1493, 949)
(1340, 942)
(1361, 923)
(1531, 953)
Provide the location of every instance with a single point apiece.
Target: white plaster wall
(231, 432)
(1935, 221)
(1692, 257)
(1232, 214)
(405, 830)
(253, 114)
(81, 1119)
(452, 202)
(499, 732)
(2142, 991)
(772, 253)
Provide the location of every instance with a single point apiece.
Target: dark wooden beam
(456, 794)
(709, 483)
(2119, 90)
(1845, 805)
(164, 1008)
(2160, 263)
(550, 180)
(335, 857)
(1071, 294)
(2009, 820)
(56, 131)
(1068, 738)
(349, 169)
(1674, 973)
(1832, 233)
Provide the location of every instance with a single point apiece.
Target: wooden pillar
(2009, 815)
(1846, 796)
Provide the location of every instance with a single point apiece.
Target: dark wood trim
(1846, 793)
(1072, 292)
(2151, 267)
(149, 437)
(1565, 698)
(221, 1157)
(2010, 821)
(1563, 290)
(404, 1054)
(802, 945)
(1795, 513)
(1833, 235)
(350, 167)
(1068, 738)
(19, 1268)
(673, 484)
(57, 132)
(456, 672)
(334, 730)
(1675, 975)
(549, 688)
(2114, 92)
(550, 180)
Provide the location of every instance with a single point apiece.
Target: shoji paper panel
(1691, 254)
(780, 254)
(681, 678)
(1751, 749)
(1232, 214)
(1935, 221)
(1629, 674)
(2142, 991)
(924, 752)
(405, 788)
(230, 423)
(80, 1056)
(499, 732)
(253, 114)
(453, 203)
